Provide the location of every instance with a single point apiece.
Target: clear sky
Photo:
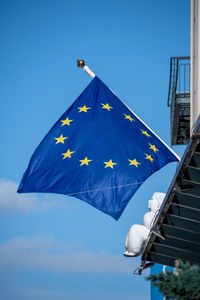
(57, 247)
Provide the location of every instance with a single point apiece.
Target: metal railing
(179, 80)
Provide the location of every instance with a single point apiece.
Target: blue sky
(54, 246)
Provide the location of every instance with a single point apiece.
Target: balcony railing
(179, 99)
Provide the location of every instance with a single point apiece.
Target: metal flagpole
(194, 64)
(81, 64)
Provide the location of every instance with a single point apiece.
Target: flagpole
(81, 64)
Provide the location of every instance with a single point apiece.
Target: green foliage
(184, 285)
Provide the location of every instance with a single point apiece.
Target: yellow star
(134, 162)
(84, 108)
(85, 161)
(129, 118)
(106, 106)
(60, 139)
(66, 122)
(145, 133)
(67, 154)
(109, 164)
(153, 147)
(149, 157)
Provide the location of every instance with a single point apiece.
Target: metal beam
(187, 199)
(182, 233)
(180, 222)
(182, 244)
(176, 252)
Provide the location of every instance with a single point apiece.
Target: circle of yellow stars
(108, 164)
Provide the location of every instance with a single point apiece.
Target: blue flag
(98, 151)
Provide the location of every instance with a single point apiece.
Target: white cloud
(45, 254)
(10, 200)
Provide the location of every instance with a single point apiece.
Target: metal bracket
(142, 267)
(157, 233)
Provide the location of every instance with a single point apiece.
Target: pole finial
(80, 63)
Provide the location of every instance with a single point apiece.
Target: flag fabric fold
(98, 151)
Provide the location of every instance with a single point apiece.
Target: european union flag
(98, 151)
